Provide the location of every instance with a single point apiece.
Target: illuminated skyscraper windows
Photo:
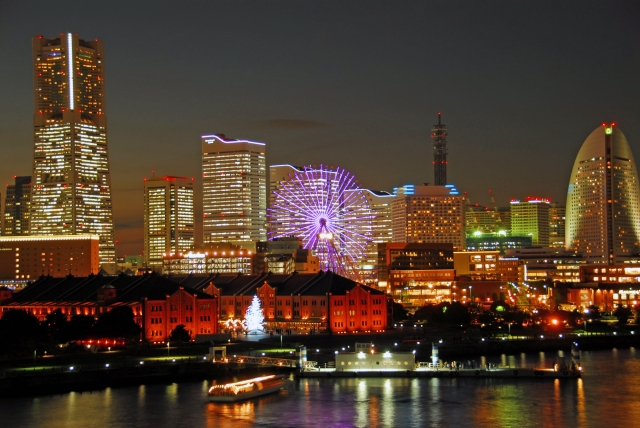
(16, 207)
(603, 211)
(71, 190)
(168, 218)
(234, 191)
(429, 214)
(530, 217)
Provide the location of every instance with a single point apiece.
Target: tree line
(21, 333)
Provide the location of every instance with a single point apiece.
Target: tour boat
(246, 389)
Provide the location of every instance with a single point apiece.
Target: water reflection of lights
(241, 413)
(580, 404)
(362, 404)
(172, 392)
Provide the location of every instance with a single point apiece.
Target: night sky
(356, 84)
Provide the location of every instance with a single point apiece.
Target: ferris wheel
(329, 212)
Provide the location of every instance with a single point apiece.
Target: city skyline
(344, 86)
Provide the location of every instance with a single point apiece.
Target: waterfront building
(168, 218)
(297, 303)
(531, 218)
(604, 286)
(234, 186)
(71, 189)
(429, 214)
(557, 215)
(159, 304)
(29, 257)
(16, 207)
(603, 199)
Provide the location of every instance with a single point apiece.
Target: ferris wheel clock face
(329, 212)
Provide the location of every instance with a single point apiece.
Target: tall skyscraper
(429, 214)
(16, 207)
(531, 218)
(439, 137)
(71, 191)
(168, 218)
(603, 199)
(234, 191)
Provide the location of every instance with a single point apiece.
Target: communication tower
(439, 137)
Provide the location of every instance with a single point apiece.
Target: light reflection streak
(362, 404)
(434, 410)
(580, 404)
(387, 408)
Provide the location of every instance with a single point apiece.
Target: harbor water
(606, 395)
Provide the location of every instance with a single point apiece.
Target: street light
(167, 348)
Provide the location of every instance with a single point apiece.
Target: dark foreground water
(607, 396)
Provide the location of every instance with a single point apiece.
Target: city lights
(326, 208)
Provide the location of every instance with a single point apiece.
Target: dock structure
(387, 364)
(365, 362)
(486, 373)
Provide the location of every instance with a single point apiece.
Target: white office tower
(234, 191)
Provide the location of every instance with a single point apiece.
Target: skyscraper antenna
(439, 138)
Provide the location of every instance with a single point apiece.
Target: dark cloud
(291, 124)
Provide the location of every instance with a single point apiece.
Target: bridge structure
(219, 355)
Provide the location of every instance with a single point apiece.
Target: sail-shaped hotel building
(603, 211)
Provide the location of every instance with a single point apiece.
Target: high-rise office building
(168, 218)
(439, 138)
(379, 204)
(530, 217)
(16, 207)
(429, 214)
(234, 187)
(71, 190)
(557, 215)
(603, 199)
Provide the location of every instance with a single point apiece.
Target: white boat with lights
(246, 389)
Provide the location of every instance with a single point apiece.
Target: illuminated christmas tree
(254, 316)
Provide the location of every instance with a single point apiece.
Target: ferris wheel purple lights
(331, 214)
